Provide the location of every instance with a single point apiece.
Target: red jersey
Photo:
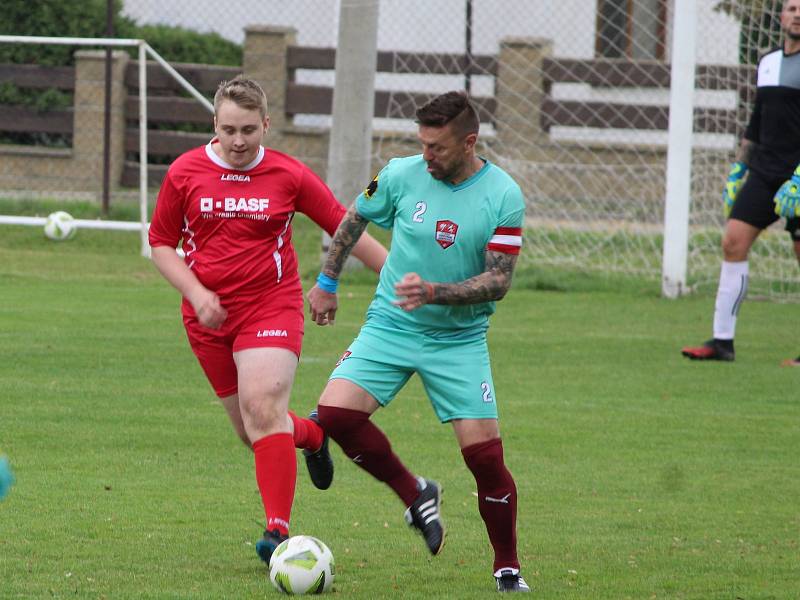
(235, 225)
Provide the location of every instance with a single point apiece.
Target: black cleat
(713, 349)
(423, 514)
(319, 462)
(509, 580)
(267, 544)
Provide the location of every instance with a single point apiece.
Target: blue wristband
(327, 284)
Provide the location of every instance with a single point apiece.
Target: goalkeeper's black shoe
(268, 542)
(424, 515)
(509, 580)
(713, 349)
(319, 462)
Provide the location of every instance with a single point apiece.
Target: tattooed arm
(343, 242)
(322, 304)
(492, 284)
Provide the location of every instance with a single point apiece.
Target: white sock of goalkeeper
(730, 295)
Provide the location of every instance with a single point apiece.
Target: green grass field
(641, 475)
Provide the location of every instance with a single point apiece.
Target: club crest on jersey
(371, 188)
(446, 232)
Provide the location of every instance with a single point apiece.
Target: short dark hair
(450, 107)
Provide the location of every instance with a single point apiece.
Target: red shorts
(251, 325)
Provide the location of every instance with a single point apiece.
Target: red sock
(369, 448)
(307, 434)
(276, 474)
(497, 499)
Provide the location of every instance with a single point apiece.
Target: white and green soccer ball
(60, 226)
(302, 565)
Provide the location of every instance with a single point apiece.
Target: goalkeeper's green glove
(732, 186)
(787, 199)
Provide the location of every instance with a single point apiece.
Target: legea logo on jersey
(242, 205)
(234, 177)
(446, 232)
(272, 333)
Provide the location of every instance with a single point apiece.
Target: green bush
(177, 44)
(87, 18)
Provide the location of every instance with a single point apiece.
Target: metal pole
(180, 79)
(679, 150)
(68, 41)
(350, 147)
(107, 112)
(143, 148)
(468, 46)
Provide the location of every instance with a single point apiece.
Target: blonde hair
(244, 92)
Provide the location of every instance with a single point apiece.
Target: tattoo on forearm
(745, 151)
(490, 285)
(346, 236)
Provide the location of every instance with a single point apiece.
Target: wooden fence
(19, 118)
(606, 73)
(168, 106)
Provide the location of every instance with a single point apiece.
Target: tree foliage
(761, 27)
(87, 18)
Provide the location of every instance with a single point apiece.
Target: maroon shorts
(250, 325)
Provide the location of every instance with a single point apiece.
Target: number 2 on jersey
(421, 208)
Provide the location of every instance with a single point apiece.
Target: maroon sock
(497, 499)
(369, 448)
(307, 434)
(276, 475)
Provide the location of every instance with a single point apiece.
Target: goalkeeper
(763, 184)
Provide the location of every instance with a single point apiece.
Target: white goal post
(678, 189)
(144, 50)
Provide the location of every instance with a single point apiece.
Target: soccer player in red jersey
(230, 204)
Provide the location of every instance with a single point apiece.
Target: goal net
(581, 122)
(575, 105)
(578, 101)
(70, 134)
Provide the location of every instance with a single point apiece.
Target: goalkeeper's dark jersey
(775, 123)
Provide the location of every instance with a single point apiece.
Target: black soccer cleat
(509, 580)
(713, 349)
(423, 514)
(267, 544)
(319, 462)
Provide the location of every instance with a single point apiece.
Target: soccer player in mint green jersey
(456, 223)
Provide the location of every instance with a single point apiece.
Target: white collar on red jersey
(217, 160)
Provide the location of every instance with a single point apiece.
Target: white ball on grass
(302, 565)
(60, 226)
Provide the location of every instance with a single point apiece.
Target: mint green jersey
(441, 232)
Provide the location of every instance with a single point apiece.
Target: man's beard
(787, 32)
(446, 174)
